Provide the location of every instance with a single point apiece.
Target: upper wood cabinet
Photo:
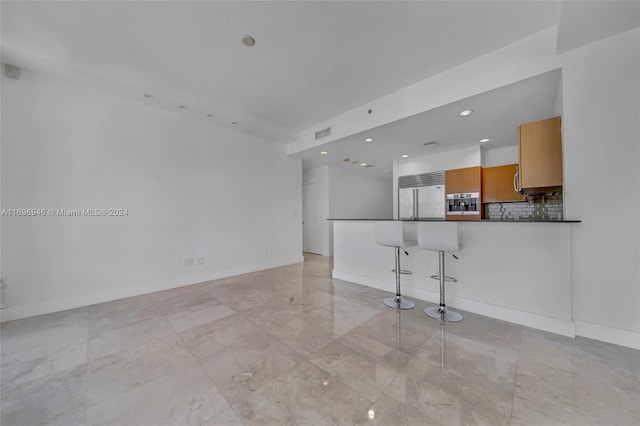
(540, 155)
(498, 184)
(463, 180)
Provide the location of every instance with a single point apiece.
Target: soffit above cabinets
(496, 115)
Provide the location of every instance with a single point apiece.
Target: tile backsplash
(539, 207)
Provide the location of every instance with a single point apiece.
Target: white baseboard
(617, 336)
(540, 322)
(24, 311)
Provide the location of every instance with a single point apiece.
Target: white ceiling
(312, 60)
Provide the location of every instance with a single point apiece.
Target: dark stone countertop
(468, 221)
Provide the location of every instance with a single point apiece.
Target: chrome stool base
(443, 314)
(398, 303)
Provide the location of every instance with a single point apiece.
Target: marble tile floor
(291, 346)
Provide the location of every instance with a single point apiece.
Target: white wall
(321, 229)
(191, 190)
(348, 195)
(601, 96)
(358, 196)
(458, 159)
(500, 156)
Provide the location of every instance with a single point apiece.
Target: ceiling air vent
(323, 133)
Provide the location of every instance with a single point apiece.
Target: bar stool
(441, 237)
(391, 234)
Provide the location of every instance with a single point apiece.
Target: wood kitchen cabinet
(463, 180)
(498, 184)
(540, 155)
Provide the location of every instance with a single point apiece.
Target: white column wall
(601, 97)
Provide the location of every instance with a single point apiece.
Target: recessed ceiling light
(485, 140)
(465, 112)
(355, 161)
(248, 41)
(405, 156)
(431, 143)
(210, 115)
(363, 164)
(323, 152)
(368, 140)
(148, 95)
(234, 122)
(182, 107)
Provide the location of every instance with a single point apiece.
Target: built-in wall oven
(463, 204)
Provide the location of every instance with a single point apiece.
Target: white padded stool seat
(441, 237)
(391, 233)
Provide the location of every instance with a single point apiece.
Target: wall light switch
(199, 261)
(188, 262)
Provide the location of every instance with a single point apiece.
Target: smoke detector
(248, 41)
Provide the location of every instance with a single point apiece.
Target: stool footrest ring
(446, 278)
(403, 272)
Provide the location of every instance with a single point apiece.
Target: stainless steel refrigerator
(422, 196)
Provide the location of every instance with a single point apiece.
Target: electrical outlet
(188, 262)
(199, 261)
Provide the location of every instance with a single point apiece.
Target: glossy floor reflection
(292, 346)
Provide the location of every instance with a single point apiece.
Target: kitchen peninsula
(517, 271)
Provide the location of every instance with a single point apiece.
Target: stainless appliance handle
(516, 179)
(415, 203)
